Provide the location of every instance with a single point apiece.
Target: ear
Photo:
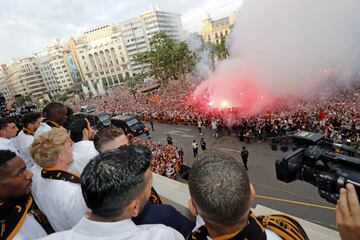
(192, 207)
(61, 158)
(133, 209)
(252, 194)
(86, 134)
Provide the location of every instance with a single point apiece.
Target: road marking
(284, 191)
(295, 202)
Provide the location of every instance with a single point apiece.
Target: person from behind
(221, 197)
(56, 190)
(155, 211)
(81, 133)
(116, 186)
(55, 115)
(110, 138)
(31, 122)
(194, 148)
(20, 219)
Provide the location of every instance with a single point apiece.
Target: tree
(132, 83)
(219, 50)
(167, 59)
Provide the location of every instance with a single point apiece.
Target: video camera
(319, 161)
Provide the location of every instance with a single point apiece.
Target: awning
(149, 88)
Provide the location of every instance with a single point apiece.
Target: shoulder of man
(57, 236)
(160, 231)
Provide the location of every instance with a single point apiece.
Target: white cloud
(27, 26)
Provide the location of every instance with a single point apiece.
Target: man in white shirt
(155, 212)
(116, 186)
(19, 217)
(221, 197)
(8, 130)
(56, 190)
(81, 134)
(31, 122)
(55, 115)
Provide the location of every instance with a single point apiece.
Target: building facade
(137, 32)
(43, 60)
(215, 31)
(25, 78)
(4, 87)
(102, 56)
(58, 65)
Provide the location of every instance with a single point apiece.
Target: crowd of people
(73, 183)
(166, 159)
(334, 112)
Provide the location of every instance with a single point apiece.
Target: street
(299, 199)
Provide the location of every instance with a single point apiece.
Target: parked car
(98, 120)
(129, 124)
(88, 109)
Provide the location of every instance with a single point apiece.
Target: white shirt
(30, 229)
(270, 235)
(24, 142)
(42, 129)
(214, 125)
(7, 144)
(61, 201)
(83, 152)
(126, 229)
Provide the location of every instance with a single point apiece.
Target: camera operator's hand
(348, 214)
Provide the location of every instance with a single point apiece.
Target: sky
(27, 26)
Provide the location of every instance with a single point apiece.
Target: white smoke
(289, 46)
(203, 67)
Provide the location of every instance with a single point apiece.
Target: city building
(214, 31)
(4, 88)
(58, 65)
(55, 68)
(101, 55)
(138, 31)
(43, 60)
(24, 77)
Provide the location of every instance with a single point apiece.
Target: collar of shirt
(83, 143)
(125, 228)
(5, 140)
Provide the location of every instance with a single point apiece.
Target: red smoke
(230, 90)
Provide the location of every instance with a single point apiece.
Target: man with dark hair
(109, 138)
(55, 115)
(8, 130)
(31, 122)
(154, 212)
(81, 133)
(116, 186)
(221, 196)
(19, 216)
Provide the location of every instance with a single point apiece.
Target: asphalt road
(298, 198)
